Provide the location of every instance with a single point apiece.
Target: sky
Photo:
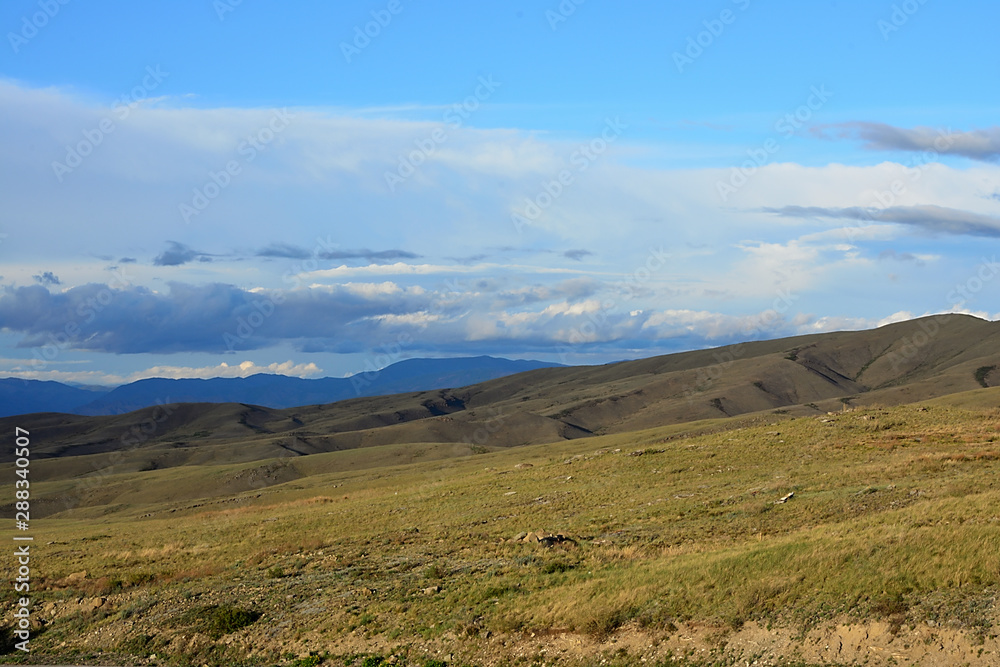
(209, 188)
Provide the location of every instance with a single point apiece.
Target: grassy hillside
(673, 543)
(807, 375)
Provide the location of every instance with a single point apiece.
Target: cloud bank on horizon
(306, 212)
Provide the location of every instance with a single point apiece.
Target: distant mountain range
(19, 396)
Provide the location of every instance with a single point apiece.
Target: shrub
(603, 622)
(140, 578)
(7, 640)
(890, 605)
(981, 374)
(137, 607)
(136, 645)
(556, 566)
(225, 619)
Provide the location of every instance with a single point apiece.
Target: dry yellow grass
(894, 516)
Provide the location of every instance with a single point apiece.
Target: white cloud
(241, 370)
(713, 326)
(900, 316)
(369, 290)
(323, 177)
(222, 370)
(419, 319)
(404, 269)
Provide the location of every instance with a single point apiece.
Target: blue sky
(265, 186)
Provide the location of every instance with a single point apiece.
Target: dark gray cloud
(191, 318)
(289, 251)
(899, 256)
(47, 278)
(376, 256)
(178, 254)
(127, 260)
(577, 254)
(218, 318)
(981, 145)
(574, 289)
(937, 219)
(284, 250)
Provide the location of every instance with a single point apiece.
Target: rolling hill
(695, 509)
(867, 537)
(895, 364)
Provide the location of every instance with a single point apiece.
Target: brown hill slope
(894, 364)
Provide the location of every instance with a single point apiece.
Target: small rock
(431, 590)
(522, 466)
(92, 604)
(520, 536)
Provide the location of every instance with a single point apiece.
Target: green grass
(218, 620)
(893, 518)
